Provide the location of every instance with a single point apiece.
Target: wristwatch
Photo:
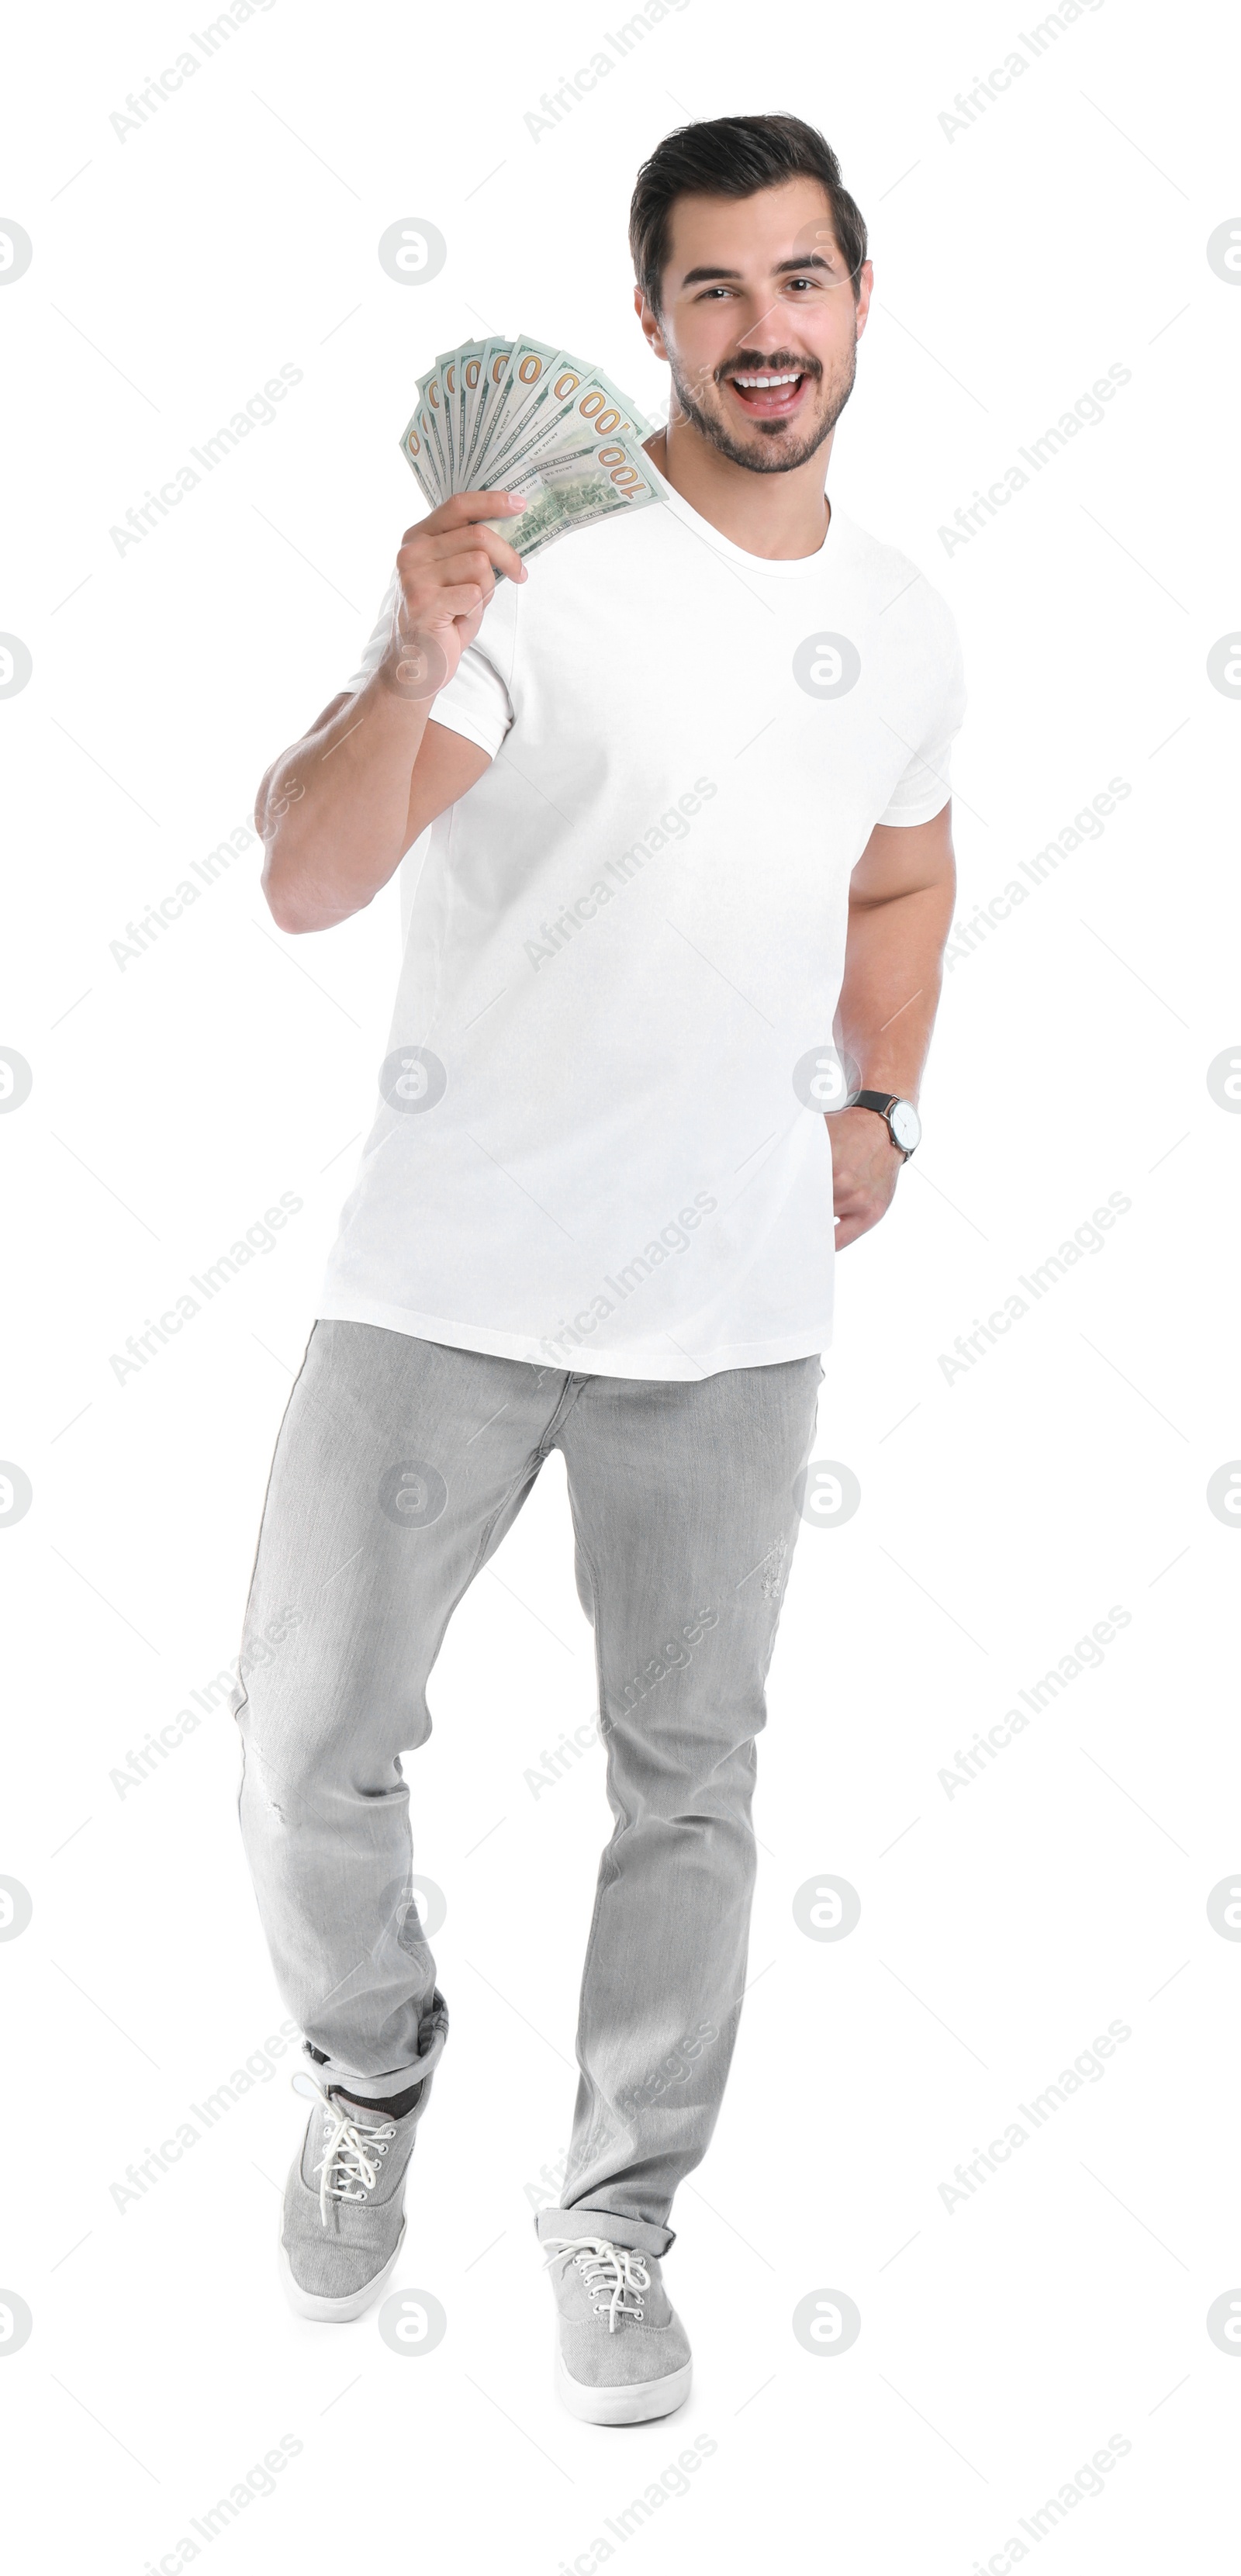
(903, 1123)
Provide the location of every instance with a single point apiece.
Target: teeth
(766, 381)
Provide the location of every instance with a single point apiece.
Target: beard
(759, 453)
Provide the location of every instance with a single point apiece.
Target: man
(689, 855)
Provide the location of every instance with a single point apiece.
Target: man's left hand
(866, 1165)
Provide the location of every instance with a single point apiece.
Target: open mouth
(768, 393)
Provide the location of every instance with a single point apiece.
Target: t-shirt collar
(781, 568)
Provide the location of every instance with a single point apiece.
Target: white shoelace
(351, 2153)
(608, 2271)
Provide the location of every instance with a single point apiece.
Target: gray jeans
(399, 1467)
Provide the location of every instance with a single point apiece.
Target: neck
(781, 516)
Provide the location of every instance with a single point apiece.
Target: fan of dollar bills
(518, 416)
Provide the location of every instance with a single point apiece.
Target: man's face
(757, 287)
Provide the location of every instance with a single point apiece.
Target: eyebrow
(703, 276)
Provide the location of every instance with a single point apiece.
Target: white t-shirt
(624, 943)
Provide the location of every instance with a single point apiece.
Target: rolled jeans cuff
(432, 2041)
(641, 2235)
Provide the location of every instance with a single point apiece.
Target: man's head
(750, 260)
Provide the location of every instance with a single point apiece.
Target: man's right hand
(446, 569)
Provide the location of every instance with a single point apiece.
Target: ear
(650, 324)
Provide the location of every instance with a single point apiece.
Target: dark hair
(734, 156)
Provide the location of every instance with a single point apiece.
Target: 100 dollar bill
(525, 370)
(574, 402)
(575, 491)
(495, 358)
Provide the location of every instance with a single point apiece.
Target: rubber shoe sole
(637, 2402)
(336, 2312)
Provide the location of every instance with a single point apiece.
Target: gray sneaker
(624, 2354)
(343, 2221)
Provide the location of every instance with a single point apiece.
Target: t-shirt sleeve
(474, 702)
(924, 787)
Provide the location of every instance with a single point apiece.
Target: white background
(1003, 1511)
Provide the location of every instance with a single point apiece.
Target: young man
(686, 784)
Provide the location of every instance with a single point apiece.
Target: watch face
(905, 1124)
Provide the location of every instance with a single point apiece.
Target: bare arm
(337, 812)
(391, 778)
(900, 911)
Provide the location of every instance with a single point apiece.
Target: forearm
(333, 811)
(338, 812)
(890, 992)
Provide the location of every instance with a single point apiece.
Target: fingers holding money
(452, 550)
(447, 568)
(539, 425)
(469, 520)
